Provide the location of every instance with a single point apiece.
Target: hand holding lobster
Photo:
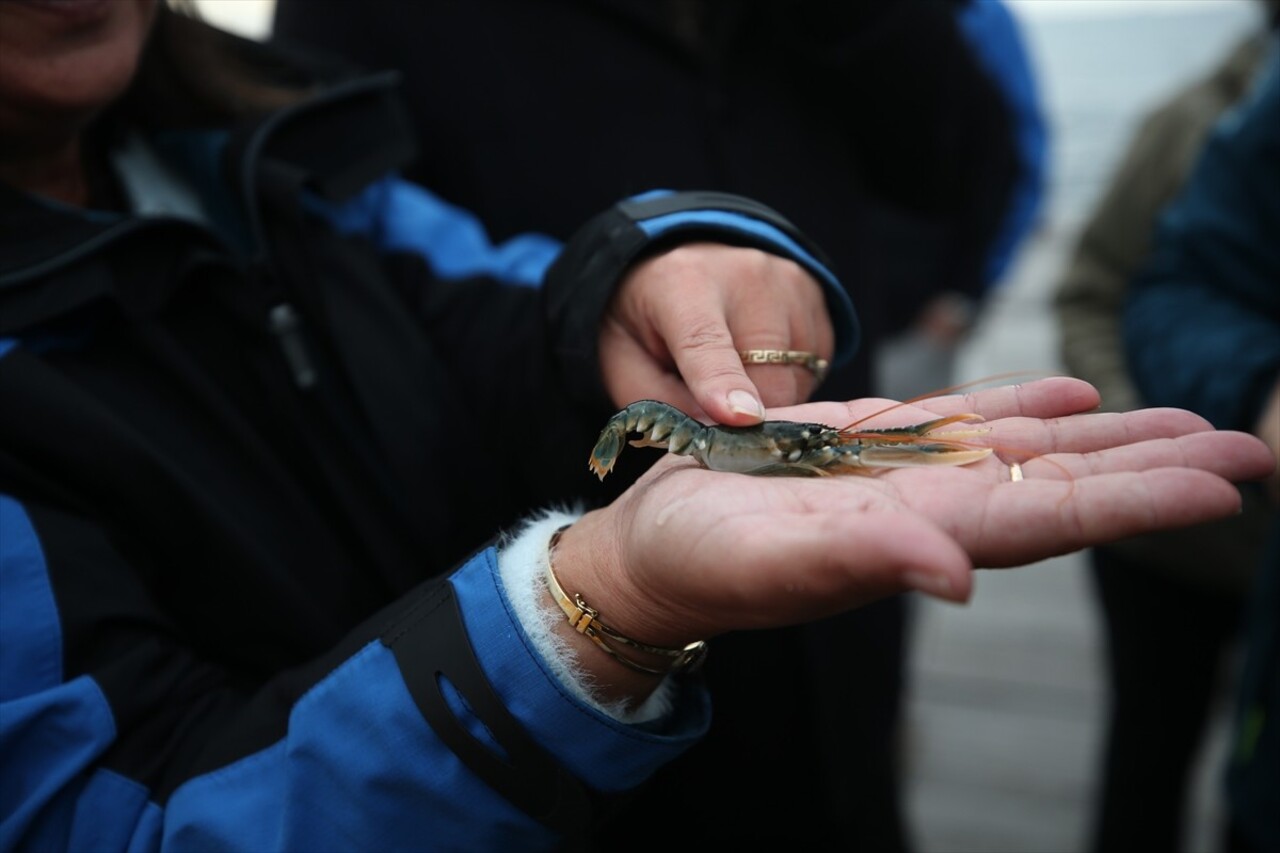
(688, 553)
(680, 318)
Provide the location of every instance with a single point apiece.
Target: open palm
(705, 552)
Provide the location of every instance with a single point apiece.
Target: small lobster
(782, 448)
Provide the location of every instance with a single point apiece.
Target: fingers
(706, 379)
(708, 361)
(1022, 438)
(1043, 398)
(1071, 500)
(808, 333)
(1234, 456)
(825, 562)
(698, 306)
(1034, 519)
(1054, 397)
(780, 384)
(753, 571)
(772, 306)
(631, 373)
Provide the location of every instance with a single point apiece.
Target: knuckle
(703, 336)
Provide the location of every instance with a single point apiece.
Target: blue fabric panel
(113, 813)
(842, 315)
(606, 754)
(147, 833)
(993, 35)
(47, 740)
(359, 770)
(30, 633)
(400, 216)
(7, 344)
(49, 731)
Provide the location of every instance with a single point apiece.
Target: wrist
(635, 655)
(587, 567)
(522, 562)
(590, 561)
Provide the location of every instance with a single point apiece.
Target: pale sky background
(1112, 7)
(247, 17)
(253, 17)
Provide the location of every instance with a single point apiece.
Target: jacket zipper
(283, 320)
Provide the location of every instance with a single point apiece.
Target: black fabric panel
(431, 644)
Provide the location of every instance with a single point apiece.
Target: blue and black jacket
(251, 469)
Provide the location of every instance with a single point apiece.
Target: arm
(1203, 324)
(156, 737)
(675, 329)
(1090, 297)
(150, 737)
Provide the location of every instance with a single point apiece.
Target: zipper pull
(284, 323)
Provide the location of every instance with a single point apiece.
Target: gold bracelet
(586, 620)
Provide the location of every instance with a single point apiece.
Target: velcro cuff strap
(431, 645)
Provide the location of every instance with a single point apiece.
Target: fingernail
(745, 404)
(939, 585)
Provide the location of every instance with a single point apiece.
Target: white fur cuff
(522, 566)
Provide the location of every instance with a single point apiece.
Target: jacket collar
(332, 143)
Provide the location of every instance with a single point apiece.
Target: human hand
(688, 553)
(674, 330)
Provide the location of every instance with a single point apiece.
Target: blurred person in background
(905, 137)
(1202, 330)
(1171, 602)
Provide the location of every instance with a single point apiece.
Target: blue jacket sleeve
(1202, 327)
(356, 765)
(399, 216)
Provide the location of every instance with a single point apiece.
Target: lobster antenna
(951, 389)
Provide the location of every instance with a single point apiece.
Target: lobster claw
(903, 455)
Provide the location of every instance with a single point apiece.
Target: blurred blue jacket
(996, 40)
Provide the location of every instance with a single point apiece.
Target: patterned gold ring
(811, 361)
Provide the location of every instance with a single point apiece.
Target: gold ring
(816, 365)
(1015, 472)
